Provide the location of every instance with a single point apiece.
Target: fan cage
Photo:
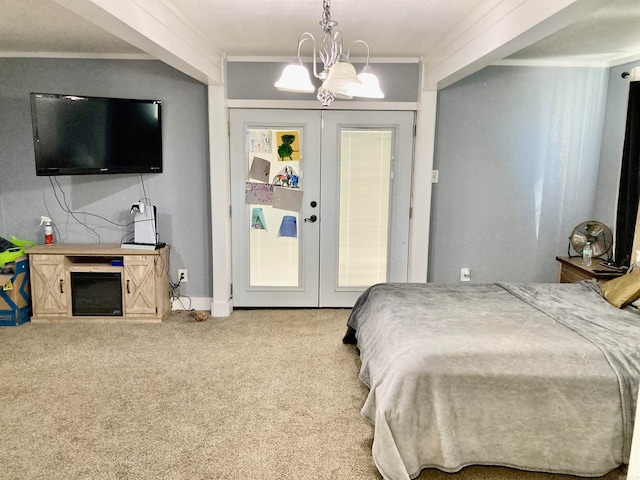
(595, 232)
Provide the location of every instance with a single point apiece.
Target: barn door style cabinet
(98, 283)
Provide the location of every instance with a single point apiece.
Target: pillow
(623, 290)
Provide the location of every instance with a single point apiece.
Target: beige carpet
(270, 394)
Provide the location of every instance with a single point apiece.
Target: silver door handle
(311, 219)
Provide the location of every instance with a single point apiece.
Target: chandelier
(339, 79)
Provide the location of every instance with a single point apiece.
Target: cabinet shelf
(94, 267)
(94, 259)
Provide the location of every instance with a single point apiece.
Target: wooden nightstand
(572, 270)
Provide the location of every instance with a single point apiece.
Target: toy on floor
(199, 316)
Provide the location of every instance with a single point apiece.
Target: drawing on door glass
(288, 227)
(260, 169)
(258, 194)
(257, 219)
(288, 146)
(287, 177)
(260, 141)
(287, 199)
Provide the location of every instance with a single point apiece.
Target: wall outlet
(465, 274)
(183, 275)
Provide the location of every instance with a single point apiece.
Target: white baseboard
(192, 303)
(220, 309)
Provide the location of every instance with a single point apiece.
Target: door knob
(311, 219)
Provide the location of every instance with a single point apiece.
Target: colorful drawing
(288, 145)
(260, 141)
(257, 219)
(288, 227)
(287, 177)
(258, 194)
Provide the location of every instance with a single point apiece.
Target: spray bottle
(48, 230)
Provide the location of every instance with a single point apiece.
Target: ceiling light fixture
(339, 79)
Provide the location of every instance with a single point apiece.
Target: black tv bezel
(52, 171)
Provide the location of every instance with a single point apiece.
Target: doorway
(320, 204)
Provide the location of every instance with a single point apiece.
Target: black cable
(65, 208)
(176, 296)
(68, 210)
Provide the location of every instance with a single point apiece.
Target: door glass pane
(273, 196)
(365, 170)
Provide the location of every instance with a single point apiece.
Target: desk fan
(597, 233)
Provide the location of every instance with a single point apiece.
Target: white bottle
(586, 254)
(48, 230)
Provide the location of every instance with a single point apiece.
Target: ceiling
(198, 32)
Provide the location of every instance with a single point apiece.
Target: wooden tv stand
(143, 277)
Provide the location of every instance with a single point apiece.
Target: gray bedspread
(540, 377)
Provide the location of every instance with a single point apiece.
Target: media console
(98, 283)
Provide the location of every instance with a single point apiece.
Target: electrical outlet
(183, 275)
(465, 274)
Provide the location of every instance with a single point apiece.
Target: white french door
(320, 204)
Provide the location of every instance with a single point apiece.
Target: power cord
(174, 291)
(64, 206)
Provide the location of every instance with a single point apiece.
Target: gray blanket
(539, 377)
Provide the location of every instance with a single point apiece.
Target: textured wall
(613, 143)
(518, 151)
(181, 193)
(254, 80)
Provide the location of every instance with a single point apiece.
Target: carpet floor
(262, 394)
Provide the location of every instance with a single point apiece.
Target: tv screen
(75, 135)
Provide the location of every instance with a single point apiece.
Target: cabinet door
(140, 285)
(50, 285)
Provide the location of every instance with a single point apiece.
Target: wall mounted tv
(76, 135)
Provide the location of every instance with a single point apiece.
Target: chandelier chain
(339, 79)
(326, 22)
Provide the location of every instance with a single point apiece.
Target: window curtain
(629, 188)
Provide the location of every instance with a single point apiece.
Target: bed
(539, 377)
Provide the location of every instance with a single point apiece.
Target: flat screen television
(76, 135)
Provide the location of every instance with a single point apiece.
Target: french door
(320, 204)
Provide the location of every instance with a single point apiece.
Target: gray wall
(181, 192)
(518, 151)
(612, 143)
(254, 80)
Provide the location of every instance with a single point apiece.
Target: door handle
(311, 219)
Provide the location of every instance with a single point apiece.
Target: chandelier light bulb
(342, 80)
(295, 78)
(369, 85)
